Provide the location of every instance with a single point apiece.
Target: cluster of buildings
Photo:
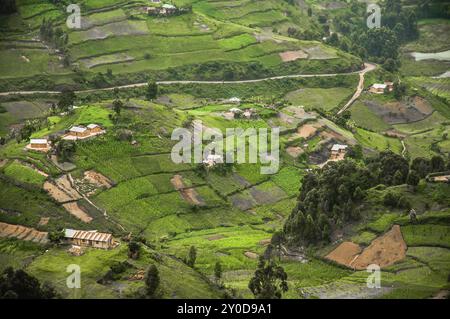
(212, 159)
(381, 88)
(74, 133)
(83, 132)
(238, 113)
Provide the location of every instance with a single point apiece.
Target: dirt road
(368, 67)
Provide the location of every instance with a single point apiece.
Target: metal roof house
(78, 131)
(39, 144)
(338, 148)
(90, 238)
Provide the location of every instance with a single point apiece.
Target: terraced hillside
(120, 39)
(366, 158)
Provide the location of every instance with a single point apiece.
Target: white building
(39, 144)
(234, 100)
(212, 159)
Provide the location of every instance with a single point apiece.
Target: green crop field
(372, 173)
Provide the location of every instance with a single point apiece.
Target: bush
(391, 199)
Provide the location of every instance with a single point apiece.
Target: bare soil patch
(189, 194)
(177, 182)
(294, 151)
(307, 130)
(56, 193)
(43, 221)
(62, 190)
(3, 162)
(97, 179)
(251, 255)
(23, 233)
(215, 237)
(406, 111)
(345, 253)
(76, 211)
(383, 251)
(265, 242)
(289, 56)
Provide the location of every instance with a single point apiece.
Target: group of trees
(424, 166)
(269, 280)
(152, 279)
(333, 195)
(56, 37)
(66, 100)
(17, 284)
(328, 197)
(8, 7)
(65, 150)
(398, 25)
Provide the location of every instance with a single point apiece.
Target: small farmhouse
(440, 179)
(164, 10)
(249, 114)
(39, 144)
(380, 88)
(94, 128)
(89, 238)
(234, 100)
(338, 152)
(79, 131)
(212, 159)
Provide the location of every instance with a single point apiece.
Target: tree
(8, 7)
(390, 199)
(390, 65)
(309, 12)
(413, 179)
(192, 256)
(381, 43)
(17, 284)
(65, 150)
(218, 271)
(277, 241)
(66, 99)
(269, 280)
(152, 281)
(152, 90)
(422, 166)
(56, 236)
(117, 106)
(134, 249)
(437, 164)
(334, 39)
(398, 178)
(399, 90)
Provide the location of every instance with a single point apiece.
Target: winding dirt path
(368, 67)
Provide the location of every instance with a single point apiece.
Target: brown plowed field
(23, 233)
